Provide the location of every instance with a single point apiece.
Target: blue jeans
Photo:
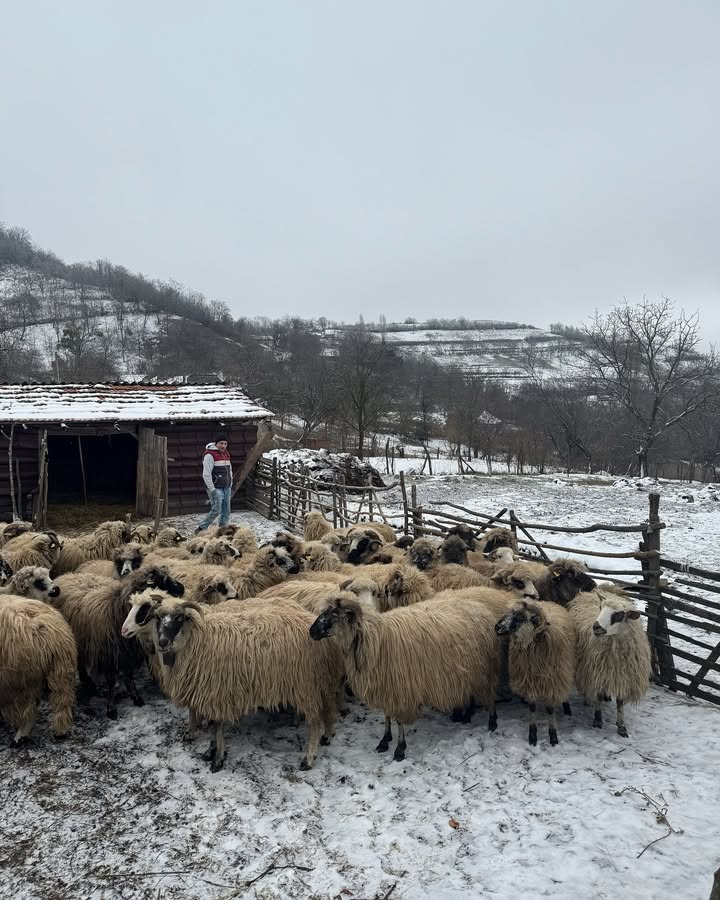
(219, 506)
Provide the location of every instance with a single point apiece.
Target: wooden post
(370, 498)
(42, 493)
(334, 501)
(406, 518)
(416, 513)
(82, 470)
(11, 475)
(273, 485)
(662, 657)
(513, 520)
(19, 488)
(159, 504)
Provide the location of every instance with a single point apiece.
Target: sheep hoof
(458, 714)
(209, 754)
(492, 723)
(19, 742)
(324, 740)
(606, 698)
(383, 746)
(597, 719)
(138, 701)
(305, 766)
(567, 710)
(61, 737)
(399, 754)
(552, 734)
(112, 712)
(217, 763)
(622, 731)
(532, 736)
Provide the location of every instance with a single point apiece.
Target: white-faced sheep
(613, 651)
(219, 552)
(541, 658)
(96, 619)
(315, 525)
(169, 537)
(124, 560)
(293, 544)
(37, 649)
(98, 545)
(33, 582)
(224, 664)
(33, 548)
(428, 654)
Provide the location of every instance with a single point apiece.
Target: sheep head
(525, 621)
(517, 578)
(362, 543)
(565, 579)
(173, 623)
(454, 550)
(318, 556)
(498, 537)
(35, 583)
(5, 571)
(152, 577)
(289, 542)
(342, 615)
(424, 554)
(142, 534)
(219, 551)
(365, 589)
(128, 558)
(466, 534)
(617, 612)
(215, 589)
(277, 559)
(142, 611)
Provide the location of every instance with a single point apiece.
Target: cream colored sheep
(169, 537)
(541, 658)
(98, 545)
(10, 530)
(32, 582)
(33, 548)
(428, 654)
(124, 560)
(142, 534)
(37, 649)
(245, 541)
(319, 557)
(223, 664)
(613, 651)
(219, 552)
(315, 525)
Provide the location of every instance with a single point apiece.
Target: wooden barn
(125, 444)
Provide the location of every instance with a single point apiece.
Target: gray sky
(519, 160)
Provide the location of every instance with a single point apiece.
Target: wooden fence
(683, 617)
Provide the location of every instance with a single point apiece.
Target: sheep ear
(535, 620)
(632, 614)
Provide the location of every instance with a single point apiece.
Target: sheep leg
(87, 685)
(192, 726)
(401, 746)
(314, 728)
(382, 747)
(220, 754)
(209, 754)
(492, 718)
(552, 725)
(111, 707)
(132, 690)
(597, 717)
(532, 731)
(621, 729)
(567, 710)
(23, 723)
(329, 718)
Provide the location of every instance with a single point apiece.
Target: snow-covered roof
(125, 403)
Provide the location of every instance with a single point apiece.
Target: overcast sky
(517, 160)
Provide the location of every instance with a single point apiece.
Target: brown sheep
(142, 534)
(98, 545)
(37, 649)
(315, 525)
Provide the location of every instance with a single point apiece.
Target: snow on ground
(126, 809)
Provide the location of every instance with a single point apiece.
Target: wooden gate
(152, 477)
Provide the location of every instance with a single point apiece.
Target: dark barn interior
(110, 462)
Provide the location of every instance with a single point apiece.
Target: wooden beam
(263, 444)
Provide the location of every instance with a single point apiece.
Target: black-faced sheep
(33, 582)
(562, 580)
(426, 555)
(613, 652)
(541, 658)
(363, 542)
(98, 545)
(96, 619)
(224, 664)
(37, 649)
(428, 654)
(5, 571)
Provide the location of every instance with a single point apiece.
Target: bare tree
(363, 393)
(645, 358)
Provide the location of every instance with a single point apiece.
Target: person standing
(217, 476)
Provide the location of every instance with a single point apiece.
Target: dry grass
(74, 518)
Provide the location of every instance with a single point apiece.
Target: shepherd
(217, 475)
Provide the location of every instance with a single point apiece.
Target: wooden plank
(689, 570)
(542, 527)
(711, 588)
(710, 662)
(693, 598)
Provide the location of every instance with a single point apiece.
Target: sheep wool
(315, 525)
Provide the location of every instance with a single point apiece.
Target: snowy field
(126, 809)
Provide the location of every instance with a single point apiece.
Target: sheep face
(498, 537)
(281, 559)
(524, 621)
(568, 578)
(365, 589)
(613, 619)
(338, 619)
(5, 571)
(218, 551)
(454, 550)
(423, 554)
(466, 535)
(142, 610)
(503, 555)
(518, 580)
(172, 628)
(318, 556)
(127, 559)
(142, 534)
(35, 582)
(169, 537)
(158, 577)
(217, 589)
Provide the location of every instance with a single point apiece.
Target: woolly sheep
(96, 619)
(142, 534)
(363, 542)
(98, 545)
(563, 580)
(33, 548)
(319, 557)
(11, 530)
(169, 537)
(425, 554)
(613, 652)
(219, 552)
(245, 541)
(33, 582)
(428, 654)
(37, 649)
(124, 560)
(5, 571)
(315, 525)
(541, 658)
(224, 664)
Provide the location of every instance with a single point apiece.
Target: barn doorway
(110, 462)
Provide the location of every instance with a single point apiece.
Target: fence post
(273, 488)
(334, 500)
(416, 513)
(370, 498)
(513, 520)
(662, 658)
(406, 519)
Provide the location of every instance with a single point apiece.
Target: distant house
(131, 444)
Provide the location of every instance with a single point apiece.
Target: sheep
(142, 534)
(428, 654)
(75, 585)
(425, 554)
(218, 552)
(497, 537)
(98, 545)
(541, 658)
(5, 571)
(466, 534)
(245, 541)
(319, 557)
(563, 580)
(37, 648)
(290, 542)
(96, 619)
(387, 532)
(225, 664)
(169, 537)
(453, 550)
(488, 564)
(401, 585)
(337, 541)
(363, 542)
(508, 586)
(124, 560)
(313, 595)
(33, 548)
(10, 530)
(315, 525)
(613, 652)
(33, 582)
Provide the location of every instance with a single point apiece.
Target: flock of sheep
(226, 627)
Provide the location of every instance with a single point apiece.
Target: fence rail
(683, 617)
